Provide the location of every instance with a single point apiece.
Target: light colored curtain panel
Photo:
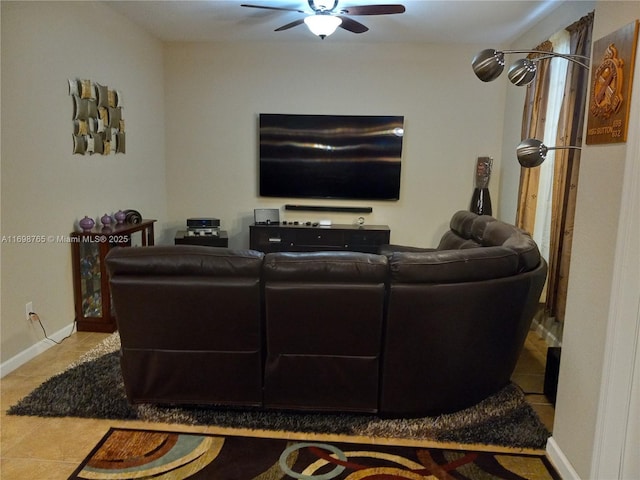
(533, 120)
(566, 169)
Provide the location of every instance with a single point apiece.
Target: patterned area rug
(93, 388)
(130, 454)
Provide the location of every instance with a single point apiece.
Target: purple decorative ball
(120, 216)
(106, 220)
(86, 223)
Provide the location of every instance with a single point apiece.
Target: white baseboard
(34, 350)
(560, 461)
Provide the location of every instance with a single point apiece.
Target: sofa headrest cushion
(461, 223)
(326, 267)
(183, 260)
(478, 228)
(499, 233)
(451, 240)
(453, 266)
(469, 230)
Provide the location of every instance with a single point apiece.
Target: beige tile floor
(51, 448)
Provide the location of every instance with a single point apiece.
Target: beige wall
(46, 189)
(576, 431)
(589, 312)
(215, 92)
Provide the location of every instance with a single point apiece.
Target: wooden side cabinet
(92, 296)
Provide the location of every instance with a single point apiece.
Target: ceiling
(490, 22)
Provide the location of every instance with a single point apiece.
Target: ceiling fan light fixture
(322, 25)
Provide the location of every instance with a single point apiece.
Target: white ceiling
(486, 22)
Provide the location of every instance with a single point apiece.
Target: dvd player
(196, 232)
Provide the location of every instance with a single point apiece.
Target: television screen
(330, 156)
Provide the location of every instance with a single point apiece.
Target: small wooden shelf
(94, 312)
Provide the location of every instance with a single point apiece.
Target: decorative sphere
(106, 220)
(86, 223)
(120, 216)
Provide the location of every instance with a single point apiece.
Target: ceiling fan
(326, 16)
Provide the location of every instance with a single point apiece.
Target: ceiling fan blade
(373, 10)
(290, 25)
(273, 8)
(352, 25)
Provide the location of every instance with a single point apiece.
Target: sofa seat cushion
(453, 266)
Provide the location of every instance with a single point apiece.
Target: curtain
(566, 164)
(566, 169)
(533, 121)
(544, 205)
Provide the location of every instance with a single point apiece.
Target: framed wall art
(98, 122)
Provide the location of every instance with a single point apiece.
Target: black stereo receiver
(203, 222)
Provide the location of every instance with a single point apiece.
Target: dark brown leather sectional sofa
(402, 333)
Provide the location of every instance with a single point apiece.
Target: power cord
(36, 318)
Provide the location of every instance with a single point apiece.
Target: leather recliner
(324, 323)
(190, 324)
(460, 312)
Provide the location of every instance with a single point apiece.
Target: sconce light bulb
(522, 72)
(531, 153)
(488, 64)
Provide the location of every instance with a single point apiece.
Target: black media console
(309, 238)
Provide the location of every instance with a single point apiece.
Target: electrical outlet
(28, 308)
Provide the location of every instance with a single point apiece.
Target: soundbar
(322, 208)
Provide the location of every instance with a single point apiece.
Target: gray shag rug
(93, 388)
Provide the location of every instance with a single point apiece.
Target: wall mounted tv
(331, 156)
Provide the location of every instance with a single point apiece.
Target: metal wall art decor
(611, 81)
(98, 123)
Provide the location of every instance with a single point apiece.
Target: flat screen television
(330, 156)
